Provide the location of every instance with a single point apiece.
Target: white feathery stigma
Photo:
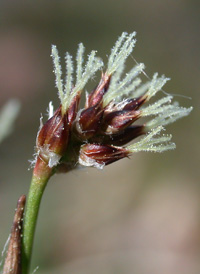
(83, 74)
(152, 143)
(57, 71)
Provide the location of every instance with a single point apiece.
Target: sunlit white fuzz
(169, 116)
(156, 85)
(57, 71)
(152, 143)
(160, 106)
(122, 49)
(50, 110)
(120, 88)
(83, 74)
(52, 157)
(89, 162)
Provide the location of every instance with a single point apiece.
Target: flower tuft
(98, 134)
(93, 64)
(119, 53)
(152, 143)
(57, 71)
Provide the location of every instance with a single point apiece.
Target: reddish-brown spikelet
(96, 96)
(96, 154)
(73, 108)
(54, 134)
(88, 122)
(126, 136)
(117, 121)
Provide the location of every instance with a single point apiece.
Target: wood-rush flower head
(96, 135)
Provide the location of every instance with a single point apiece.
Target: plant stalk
(41, 175)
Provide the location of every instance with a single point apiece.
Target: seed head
(98, 134)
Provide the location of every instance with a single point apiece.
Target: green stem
(41, 175)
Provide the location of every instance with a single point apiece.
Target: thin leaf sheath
(12, 263)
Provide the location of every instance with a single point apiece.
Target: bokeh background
(139, 215)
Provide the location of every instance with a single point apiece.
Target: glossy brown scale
(54, 133)
(102, 154)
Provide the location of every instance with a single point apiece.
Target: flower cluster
(97, 134)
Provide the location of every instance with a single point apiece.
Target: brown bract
(54, 135)
(73, 108)
(88, 122)
(101, 154)
(96, 96)
(12, 263)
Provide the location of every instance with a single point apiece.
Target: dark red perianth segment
(73, 108)
(116, 121)
(88, 122)
(55, 133)
(134, 103)
(126, 136)
(96, 96)
(101, 154)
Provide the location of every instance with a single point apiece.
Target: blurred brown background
(137, 216)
